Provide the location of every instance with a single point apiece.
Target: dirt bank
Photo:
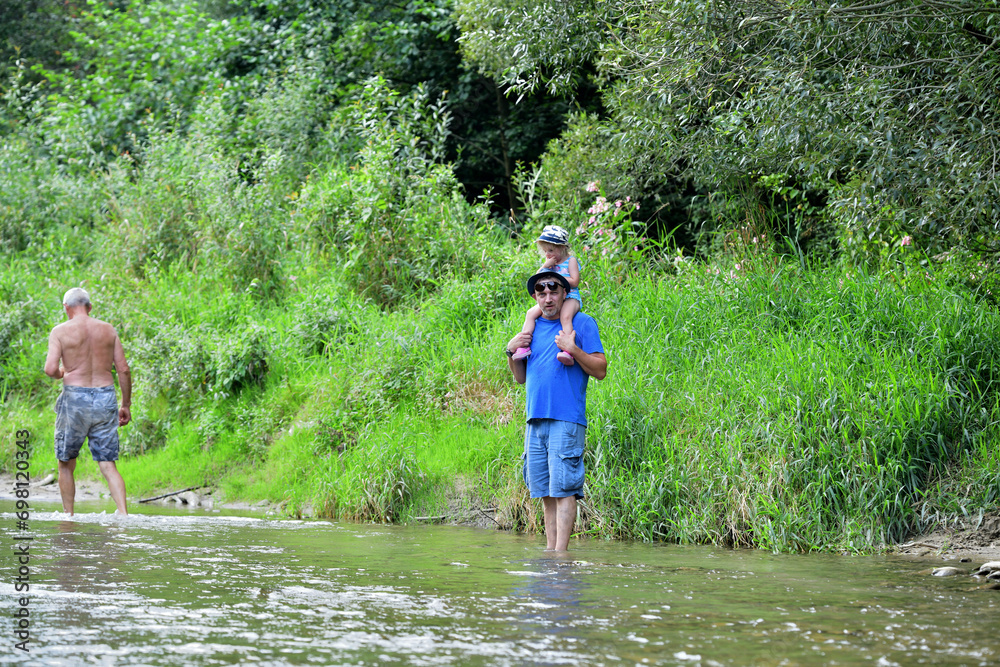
(977, 541)
(46, 490)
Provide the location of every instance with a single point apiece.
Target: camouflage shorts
(89, 413)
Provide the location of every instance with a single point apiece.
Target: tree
(886, 112)
(415, 44)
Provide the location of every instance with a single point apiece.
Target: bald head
(77, 296)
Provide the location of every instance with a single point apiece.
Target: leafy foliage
(37, 197)
(397, 218)
(36, 31)
(887, 112)
(528, 44)
(126, 68)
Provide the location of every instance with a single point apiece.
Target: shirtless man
(88, 408)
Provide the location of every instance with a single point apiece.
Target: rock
(190, 498)
(995, 586)
(986, 568)
(947, 571)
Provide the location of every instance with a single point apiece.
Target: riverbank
(969, 542)
(46, 490)
(790, 411)
(977, 540)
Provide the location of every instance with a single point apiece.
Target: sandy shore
(46, 488)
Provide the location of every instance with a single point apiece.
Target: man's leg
(549, 506)
(560, 515)
(67, 485)
(116, 485)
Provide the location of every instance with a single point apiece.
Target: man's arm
(594, 364)
(518, 368)
(125, 382)
(52, 357)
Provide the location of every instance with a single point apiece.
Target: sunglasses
(551, 286)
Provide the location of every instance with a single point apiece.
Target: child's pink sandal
(566, 358)
(521, 353)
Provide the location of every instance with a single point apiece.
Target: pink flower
(637, 206)
(592, 186)
(738, 266)
(629, 198)
(618, 204)
(592, 220)
(907, 240)
(600, 206)
(604, 252)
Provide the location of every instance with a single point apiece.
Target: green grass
(788, 411)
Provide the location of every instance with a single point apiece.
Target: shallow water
(175, 587)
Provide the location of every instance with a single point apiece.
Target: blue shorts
(553, 458)
(89, 413)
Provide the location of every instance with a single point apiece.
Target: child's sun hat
(555, 235)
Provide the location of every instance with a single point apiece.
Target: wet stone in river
(988, 569)
(947, 571)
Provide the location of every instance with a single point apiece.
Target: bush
(239, 360)
(37, 199)
(156, 205)
(397, 219)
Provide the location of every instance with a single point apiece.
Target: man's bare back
(88, 348)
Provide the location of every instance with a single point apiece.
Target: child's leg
(529, 319)
(528, 327)
(570, 308)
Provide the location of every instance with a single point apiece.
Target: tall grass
(785, 410)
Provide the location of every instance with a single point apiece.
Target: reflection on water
(206, 588)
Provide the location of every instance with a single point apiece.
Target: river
(202, 587)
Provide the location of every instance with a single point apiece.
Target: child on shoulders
(553, 246)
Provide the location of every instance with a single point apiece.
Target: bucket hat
(561, 279)
(555, 235)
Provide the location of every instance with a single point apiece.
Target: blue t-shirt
(555, 391)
